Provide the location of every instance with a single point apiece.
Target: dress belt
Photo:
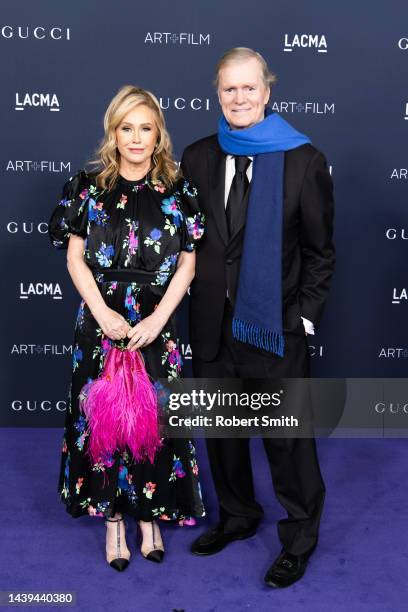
(124, 275)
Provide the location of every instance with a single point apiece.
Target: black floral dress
(133, 235)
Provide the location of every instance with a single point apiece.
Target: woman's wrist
(159, 318)
(98, 310)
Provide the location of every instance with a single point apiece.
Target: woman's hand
(144, 332)
(112, 324)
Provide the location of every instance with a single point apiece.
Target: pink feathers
(121, 408)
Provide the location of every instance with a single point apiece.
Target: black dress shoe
(216, 539)
(150, 549)
(155, 555)
(286, 570)
(118, 559)
(119, 564)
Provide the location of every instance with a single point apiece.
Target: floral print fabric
(141, 227)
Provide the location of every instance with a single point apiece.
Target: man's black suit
(307, 266)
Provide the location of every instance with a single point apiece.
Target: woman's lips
(136, 150)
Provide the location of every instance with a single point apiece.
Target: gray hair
(240, 54)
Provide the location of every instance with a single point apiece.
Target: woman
(130, 229)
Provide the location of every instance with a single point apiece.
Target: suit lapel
(216, 165)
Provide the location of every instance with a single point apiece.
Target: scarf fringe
(258, 336)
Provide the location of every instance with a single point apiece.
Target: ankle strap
(111, 520)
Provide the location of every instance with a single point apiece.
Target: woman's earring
(155, 160)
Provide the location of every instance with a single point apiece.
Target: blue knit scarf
(258, 309)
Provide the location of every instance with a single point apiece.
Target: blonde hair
(107, 155)
(240, 54)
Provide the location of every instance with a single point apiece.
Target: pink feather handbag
(121, 408)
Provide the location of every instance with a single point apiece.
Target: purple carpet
(360, 563)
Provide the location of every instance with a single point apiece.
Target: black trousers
(293, 462)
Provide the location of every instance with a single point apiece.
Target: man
(262, 277)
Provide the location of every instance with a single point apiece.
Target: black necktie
(237, 192)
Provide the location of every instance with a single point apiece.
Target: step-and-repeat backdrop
(342, 79)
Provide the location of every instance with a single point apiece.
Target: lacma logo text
(37, 100)
(305, 41)
(398, 295)
(42, 289)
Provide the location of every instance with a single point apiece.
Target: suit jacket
(307, 248)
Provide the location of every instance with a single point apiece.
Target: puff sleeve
(193, 219)
(71, 214)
